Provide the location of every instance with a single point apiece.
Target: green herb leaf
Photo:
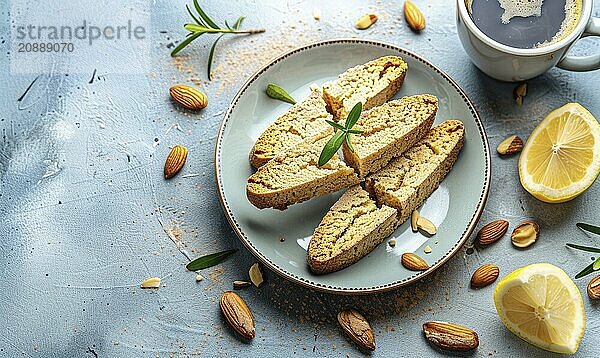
(590, 228)
(596, 265)
(279, 93)
(335, 125)
(209, 260)
(185, 42)
(584, 248)
(204, 17)
(586, 271)
(354, 131)
(348, 144)
(353, 115)
(238, 23)
(210, 56)
(331, 147)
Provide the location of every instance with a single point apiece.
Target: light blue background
(76, 244)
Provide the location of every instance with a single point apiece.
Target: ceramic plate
(279, 238)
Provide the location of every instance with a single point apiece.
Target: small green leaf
(590, 228)
(584, 248)
(209, 260)
(204, 17)
(335, 125)
(238, 23)
(596, 265)
(196, 28)
(354, 131)
(210, 56)
(586, 271)
(227, 25)
(348, 144)
(185, 42)
(353, 115)
(331, 147)
(279, 93)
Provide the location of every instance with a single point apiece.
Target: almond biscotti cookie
(388, 131)
(294, 176)
(351, 229)
(373, 84)
(411, 178)
(301, 121)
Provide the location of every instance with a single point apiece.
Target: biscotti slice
(301, 121)
(372, 84)
(388, 131)
(351, 229)
(294, 175)
(409, 179)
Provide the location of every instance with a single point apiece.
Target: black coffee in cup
(525, 23)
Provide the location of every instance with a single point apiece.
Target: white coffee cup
(518, 64)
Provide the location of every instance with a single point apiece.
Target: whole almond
(451, 336)
(525, 234)
(188, 97)
(175, 161)
(358, 328)
(492, 232)
(413, 262)
(511, 145)
(484, 275)
(414, 17)
(366, 21)
(593, 288)
(238, 314)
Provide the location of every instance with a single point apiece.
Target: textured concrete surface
(86, 215)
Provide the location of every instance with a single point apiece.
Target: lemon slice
(561, 158)
(541, 304)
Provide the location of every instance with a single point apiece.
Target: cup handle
(584, 63)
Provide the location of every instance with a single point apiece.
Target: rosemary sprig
(594, 266)
(205, 25)
(341, 135)
(209, 260)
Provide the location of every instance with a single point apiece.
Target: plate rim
(351, 290)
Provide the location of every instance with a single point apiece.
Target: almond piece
(426, 226)
(593, 288)
(256, 275)
(238, 314)
(484, 275)
(175, 161)
(414, 17)
(358, 328)
(188, 97)
(241, 284)
(152, 282)
(413, 220)
(511, 145)
(366, 21)
(492, 232)
(413, 262)
(525, 234)
(450, 336)
(519, 92)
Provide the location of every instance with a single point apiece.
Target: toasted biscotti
(372, 84)
(388, 131)
(294, 176)
(411, 178)
(351, 229)
(301, 121)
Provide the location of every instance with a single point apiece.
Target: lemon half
(561, 158)
(541, 304)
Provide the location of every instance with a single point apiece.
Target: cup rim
(586, 13)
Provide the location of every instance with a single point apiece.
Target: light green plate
(279, 238)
